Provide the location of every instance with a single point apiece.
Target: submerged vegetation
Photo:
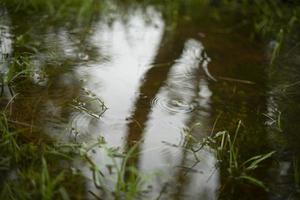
(35, 163)
(26, 173)
(228, 150)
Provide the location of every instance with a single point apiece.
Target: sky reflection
(127, 48)
(163, 150)
(5, 41)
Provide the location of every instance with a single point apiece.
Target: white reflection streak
(167, 125)
(5, 41)
(6, 48)
(129, 47)
(159, 128)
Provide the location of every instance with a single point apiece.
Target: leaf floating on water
(90, 104)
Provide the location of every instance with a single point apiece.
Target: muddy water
(160, 75)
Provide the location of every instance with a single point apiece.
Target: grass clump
(32, 170)
(296, 172)
(43, 169)
(234, 168)
(229, 158)
(35, 184)
(127, 181)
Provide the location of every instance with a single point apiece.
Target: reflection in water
(163, 131)
(5, 46)
(113, 61)
(126, 57)
(5, 40)
(127, 47)
(54, 104)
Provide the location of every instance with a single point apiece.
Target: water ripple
(173, 105)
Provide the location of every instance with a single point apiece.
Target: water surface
(159, 75)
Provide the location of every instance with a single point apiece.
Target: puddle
(139, 76)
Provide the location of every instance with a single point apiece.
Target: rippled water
(157, 78)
